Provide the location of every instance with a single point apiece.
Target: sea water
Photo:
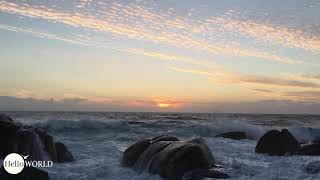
(97, 141)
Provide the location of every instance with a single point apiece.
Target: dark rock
(8, 131)
(131, 154)
(236, 135)
(28, 143)
(28, 173)
(310, 150)
(26, 140)
(200, 174)
(145, 158)
(63, 155)
(164, 138)
(180, 157)
(313, 167)
(5, 118)
(48, 143)
(278, 143)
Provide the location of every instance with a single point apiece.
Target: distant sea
(97, 141)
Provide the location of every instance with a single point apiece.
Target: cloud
(8, 103)
(231, 77)
(141, 23)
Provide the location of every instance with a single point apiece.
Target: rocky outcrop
(278, 143)
(235, 135)
(26, 140)
(168, 157)
(28, 173)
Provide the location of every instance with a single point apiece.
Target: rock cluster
(171, 158)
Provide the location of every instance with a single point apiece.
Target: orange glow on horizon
(164, 105)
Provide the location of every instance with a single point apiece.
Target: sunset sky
(160, 55)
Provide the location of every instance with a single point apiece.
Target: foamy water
(97, 141)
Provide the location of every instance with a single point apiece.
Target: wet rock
(63, 154)
(180, 157)
(201, 174)
(26, 140)
(235, 135)
(164, 138)
(145, 158)
(131, 154)
(168, 157)
(310, 150)
(278, 143)
(5, 118)
(28, 173)
(313, 167)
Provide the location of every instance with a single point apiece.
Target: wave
(178, 128)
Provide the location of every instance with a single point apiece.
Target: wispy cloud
(232, 77)
(132, 21)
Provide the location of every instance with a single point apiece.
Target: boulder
(63, 154)
(201, 174)
(164, 138)
(131, 154)
(235, 135)
(278, 143)
(180, 157)
(28, 173)
(26, 140)
(313, 167)
(310, 150)
(5, 118)
(168, 157)
(145, 158)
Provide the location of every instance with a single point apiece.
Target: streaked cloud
(231, 77)
(142, 23)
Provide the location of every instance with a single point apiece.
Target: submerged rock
(26, 140)
(278, 143)
(201, 174)
(310, 150)
(313, 167)
(28, 173)
(168, 157)
(235, 135)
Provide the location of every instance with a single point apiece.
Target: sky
(248, 56)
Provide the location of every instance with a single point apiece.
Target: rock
(313, 167)
(28, 173)
(200, 174)
(145, 158)
(5, 118)
(278, 143)
(235, 135)
(168, 157)
(310, 150)
(63, 155)
(164, 138)
(8, 131)
(29, 143)
(180, 157)
(26, 140)
(48, 143)
(131, 154)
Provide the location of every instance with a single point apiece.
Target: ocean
(97, 141)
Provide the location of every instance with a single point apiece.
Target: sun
(164, 105)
